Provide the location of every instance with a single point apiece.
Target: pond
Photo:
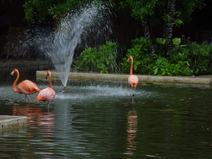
(99, 119)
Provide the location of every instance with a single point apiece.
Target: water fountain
(61, 44)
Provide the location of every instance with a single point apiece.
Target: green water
(101, 120)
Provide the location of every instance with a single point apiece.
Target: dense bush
(158, 64)
(188, 58)
(101, 60)
(141, 57)
(199, 57)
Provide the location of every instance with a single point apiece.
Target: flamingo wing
(28, 87)
(47, 94)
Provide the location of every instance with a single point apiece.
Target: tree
(170, 12)
(142, 10)
(168, 25)
(42, 9)
(176, 14)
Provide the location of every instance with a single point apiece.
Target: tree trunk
(168, 26)
(147, 35)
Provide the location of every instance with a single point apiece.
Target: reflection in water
(89, 123)
(39, 121)
(132, 123)
(35, 115)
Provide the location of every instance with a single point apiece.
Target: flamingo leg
(28, 98)
(133, 98)
(48, 106)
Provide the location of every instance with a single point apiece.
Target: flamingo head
(13, 72)
(48, 74)
(130, 58)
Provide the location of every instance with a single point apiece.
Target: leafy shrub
(101, 60)
(157, 65)
(140, 54)
(187, 58)
(163, 67)
(199, 57)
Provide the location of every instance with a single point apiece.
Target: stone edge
(123, 77)
(8, 122)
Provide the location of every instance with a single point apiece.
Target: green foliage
(199, 55)
(161, 41)
(44, 8)
(60, 9)
(145, 64)
(101, 60)
(38, 7)
(156, 9)
(186, 8)
(176, 41)
(140, 9)
(140, 54)
(171, 67)
(187, 59)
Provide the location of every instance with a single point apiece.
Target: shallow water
(97, 119)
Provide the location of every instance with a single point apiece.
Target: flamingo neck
(15, 82)
(50, 81)
(131, 66)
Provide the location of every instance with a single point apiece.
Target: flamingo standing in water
(47, 94)
(132, 79)
(26, 87)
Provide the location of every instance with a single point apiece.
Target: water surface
(97, 119)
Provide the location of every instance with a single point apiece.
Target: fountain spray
(67, 37)
(60, 45)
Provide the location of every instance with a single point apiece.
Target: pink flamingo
(26, 87)
(47, 94)
(132, 79)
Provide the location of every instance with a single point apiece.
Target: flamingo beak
(12, 73)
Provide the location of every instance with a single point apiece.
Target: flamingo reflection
(40, 120)
(132, 123)
(35, 115)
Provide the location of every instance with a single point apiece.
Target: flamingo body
(132, 79)
(47, 94)
(26, 87)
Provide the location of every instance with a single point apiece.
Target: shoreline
(199, 80)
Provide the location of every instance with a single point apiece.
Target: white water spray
(60, 49)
